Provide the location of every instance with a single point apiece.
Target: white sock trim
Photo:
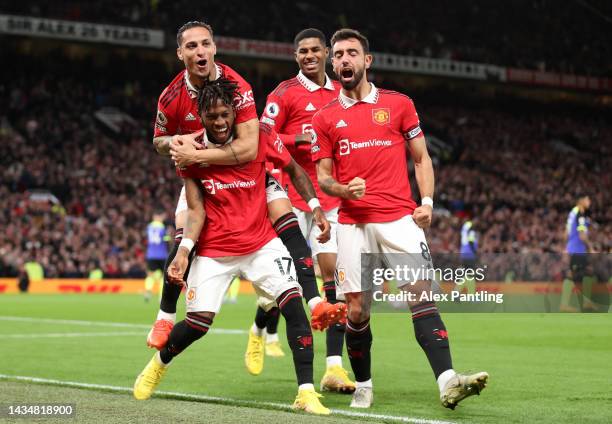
(367, 383)
(444, 377)
(256, 330)
(335, 360)
(165, 315)
(307, 386)
(159, 361)
(271, 338)
(312, 303)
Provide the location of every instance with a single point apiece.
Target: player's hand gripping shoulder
(323, 224)
(183, 148)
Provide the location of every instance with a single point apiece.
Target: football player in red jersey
(177, 120)
(233, 241)
(289, 109)
(360, 151)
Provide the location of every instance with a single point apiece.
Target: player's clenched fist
(422, 216)
(356, 188)
(177, 268)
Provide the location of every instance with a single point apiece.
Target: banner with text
(81, 31)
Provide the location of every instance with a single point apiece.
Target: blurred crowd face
(350, 62)
(310, 56)
(197, 51)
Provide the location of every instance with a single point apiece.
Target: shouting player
(360, 150)
(289, 109)
(234, 241)
(177, 114)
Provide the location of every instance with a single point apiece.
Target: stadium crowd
(571, 39)
(78, 196)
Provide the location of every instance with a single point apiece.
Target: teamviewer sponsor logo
(345, 147)
(209, 186)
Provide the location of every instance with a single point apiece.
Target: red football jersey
(289, 109)
(177, 108)
(366, 139)
(277, 153)
(235, 203)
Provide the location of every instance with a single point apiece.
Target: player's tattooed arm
(301, 181)
(162, 144)
(424, 173)
(354, 190)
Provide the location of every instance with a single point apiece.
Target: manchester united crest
(381, 116)
(191, 294)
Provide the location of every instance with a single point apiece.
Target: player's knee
(278, 208)
(356, 313)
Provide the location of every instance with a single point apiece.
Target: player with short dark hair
(289, 109)
(361, 139)
(245, 245)
(177, 116)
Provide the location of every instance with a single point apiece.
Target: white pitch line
(218, 399)
(52, 335)
(106, 324)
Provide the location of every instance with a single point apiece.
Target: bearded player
(360, 151)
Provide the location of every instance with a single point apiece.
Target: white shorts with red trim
(402, 237)
(311, 231)
(270, 269)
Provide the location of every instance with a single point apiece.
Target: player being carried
(361, 139)
(234, 241)
(177, 118)
(289, 110)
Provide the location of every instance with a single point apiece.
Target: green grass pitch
(544, 367)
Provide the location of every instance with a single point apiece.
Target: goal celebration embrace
(343, 147)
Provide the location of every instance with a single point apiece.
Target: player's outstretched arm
(423, 171)
(191, 231)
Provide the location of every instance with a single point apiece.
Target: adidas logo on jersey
(310, 107)
(190, 117)
(341, 124)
